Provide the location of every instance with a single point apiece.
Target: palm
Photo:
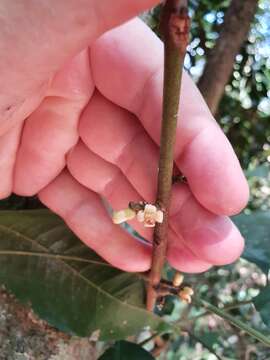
(96, 133)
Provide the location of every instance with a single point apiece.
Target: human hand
(102, 119)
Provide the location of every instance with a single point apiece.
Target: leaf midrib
(102, 291)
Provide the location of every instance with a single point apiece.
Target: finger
(39, 37)
(85, 214)
(130, 148)
(213, 238)
(8, 148)
(51, 131)
(104, 178)
(138, 162)
(202, 151)
(189, 221)
(182, 258)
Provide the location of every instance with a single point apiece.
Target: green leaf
(208, 340)
(123, 350)
(76, 291)
(264, 339)
(261, 171)
(255, 228)
(262, 304)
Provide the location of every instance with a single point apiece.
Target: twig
(237, 304)
(175, 28)
(226, 307)
(233, 321)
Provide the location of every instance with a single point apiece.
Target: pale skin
(80, 118)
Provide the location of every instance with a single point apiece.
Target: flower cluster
(148, 214)
(184, 293)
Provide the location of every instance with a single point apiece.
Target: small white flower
(150, 215)
(140, 215)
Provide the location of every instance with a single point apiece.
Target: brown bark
(219, 64)
(175, 25)
(26, 337)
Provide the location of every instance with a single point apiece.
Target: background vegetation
(240, 289)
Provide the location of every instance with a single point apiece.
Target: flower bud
(123, 215)
(178, 279)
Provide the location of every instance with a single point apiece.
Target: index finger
(127, 65)
(44, 35)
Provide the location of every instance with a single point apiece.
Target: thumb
(37, 37)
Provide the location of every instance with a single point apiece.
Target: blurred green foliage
(244, 111)
(244, 115)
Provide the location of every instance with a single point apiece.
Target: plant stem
(227, 307)
(175, 29)
(237, 304)
(233, 321)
